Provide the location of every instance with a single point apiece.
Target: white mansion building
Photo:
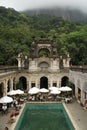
(44, 66)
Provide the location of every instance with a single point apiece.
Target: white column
(51, 83)
(29, 84)
(59, 82)
(11, 84)
(58, 85)
(36, 84)
(64, 62)
(58, 63)
(5, 88)
(19, 62)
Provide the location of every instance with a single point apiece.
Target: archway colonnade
(26, 81)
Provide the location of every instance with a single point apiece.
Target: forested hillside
(17, 30)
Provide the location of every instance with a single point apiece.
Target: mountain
(67, 14)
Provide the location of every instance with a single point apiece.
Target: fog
(21, 5)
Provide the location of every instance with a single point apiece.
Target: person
(12, 118)
(16, 112)
(6, 128)
(4, 108)
(86, 104)
(15, 102)
(11, 115)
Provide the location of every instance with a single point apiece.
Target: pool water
(44, 117)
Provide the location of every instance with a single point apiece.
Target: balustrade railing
(79, 68)
(4, 69)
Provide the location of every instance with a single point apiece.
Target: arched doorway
(8, 85)
(44, 82)
(14, 84)
(22, 84)
(71, 85)
(1, 89)
(64, 81)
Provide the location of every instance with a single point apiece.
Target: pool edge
(70, 116)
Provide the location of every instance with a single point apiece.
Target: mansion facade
(44, 66)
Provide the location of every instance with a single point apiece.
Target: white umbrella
(18, 91)
(34, 90)
(53, 88)
(6, 99)
(65, 89)
(44, 90)
(55, 92)
(12, 92)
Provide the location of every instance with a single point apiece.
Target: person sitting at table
(12, 118)
(67, 99)
(4, 108)
(16, 112)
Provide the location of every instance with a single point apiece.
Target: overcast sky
(20, 5)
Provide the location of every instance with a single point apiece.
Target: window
(55, 84)
(32, 85)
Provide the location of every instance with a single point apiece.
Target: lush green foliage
(17, 30)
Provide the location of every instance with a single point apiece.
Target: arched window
(22, 84)
(44, 82)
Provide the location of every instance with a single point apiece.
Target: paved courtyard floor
(78, 115)
(4, 119)
(75, 110)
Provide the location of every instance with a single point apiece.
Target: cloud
(34, 4)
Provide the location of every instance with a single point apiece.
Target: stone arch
(43, 51)
(22, 84)
(64, 81)
(1, 89)
(43, 65)
(45, 48)
(44, 82)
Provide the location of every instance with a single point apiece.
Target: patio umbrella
(18, 91)
(53, 88)
(55, 92)
(44, 90)
(34, 90)
(12, 92)
(65, 89)
(6, 99)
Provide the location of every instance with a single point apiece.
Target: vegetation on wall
(17, 31)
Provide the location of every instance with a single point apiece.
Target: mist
(21, 5)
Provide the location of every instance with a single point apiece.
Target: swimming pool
(44, 117)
